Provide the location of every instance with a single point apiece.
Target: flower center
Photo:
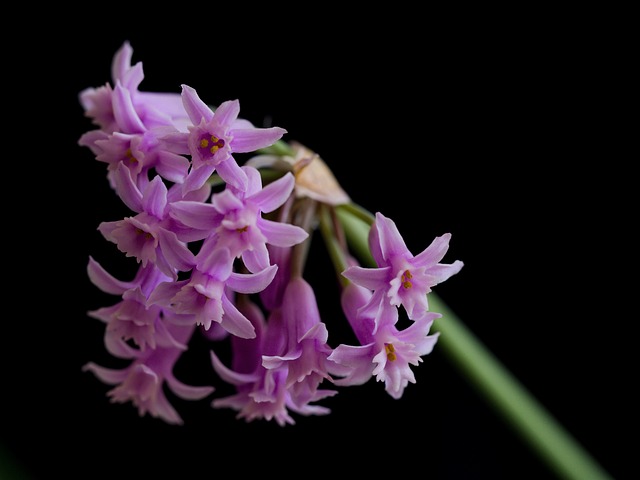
(391, 352)
(406, 279)
(210, 144)
(128, 156)
(146, 235)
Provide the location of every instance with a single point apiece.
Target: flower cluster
(221, 216)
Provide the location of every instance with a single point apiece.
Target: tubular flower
(149, 236)
(122, 107)
(401, 278)
(306, 349)
(142, 382)
(213, 137)
(204, 294)
(132, 318)
(221, 252)
(262, 393)
(387, 354)
(234, 219)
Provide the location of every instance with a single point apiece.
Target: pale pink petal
(155, 197)
(109, 376)
(252, 282)
(281, 234)
(274, 194)
(227, 112)
(371, 278)
(196, 109)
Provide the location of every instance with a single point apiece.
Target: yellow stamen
(139, 231)
(129, 157)
(406, 279)
(391, 355)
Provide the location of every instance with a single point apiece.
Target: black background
(498, 135)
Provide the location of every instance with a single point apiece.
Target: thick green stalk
(561, 452)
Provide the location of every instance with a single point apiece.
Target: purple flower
(149, 236)
(234, 219)
(306, 349)
(401, 278)
(122, 107)
(204, 294)
(143, 381)
(140, 153)
(132, 318)
(387, 354)
(214, 137)
(262, 393)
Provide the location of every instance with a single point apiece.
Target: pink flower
(234, 219)
(132, 318)
(387, 354)
(143, 381)
(205, 294)
(214, 137)
(401, 278)
(262, 393)
(150, 236)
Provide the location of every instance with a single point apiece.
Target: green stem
(561, 452)
(331, 242)
(278, 148)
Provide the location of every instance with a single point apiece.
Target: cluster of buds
(220, 247)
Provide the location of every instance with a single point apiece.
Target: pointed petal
(195, 108)
(125, 112)
(176, 252)
(359, 361)
(216, 262)
(226, 201)
(105, 281)
(198, 215)
(441, 272)
(371, 278)
(197, 178)
(252, 139)
(256, 259)
(164, 410)
(121, 61)
(154, 198)
(391, 242)
(133, 77)
(234, 322)
(274, 194)
(227, 112)
(434, 252)
(126, 188)
(282, 234)
(252, 282)
(229, 376)
(163, 294)
(118, 348)
(107, 375)
(232, 173)
(172, 166)
(188, 392)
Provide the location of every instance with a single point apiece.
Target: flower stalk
(221, 248)
(503, 391)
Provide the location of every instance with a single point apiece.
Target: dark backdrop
(494, 135)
